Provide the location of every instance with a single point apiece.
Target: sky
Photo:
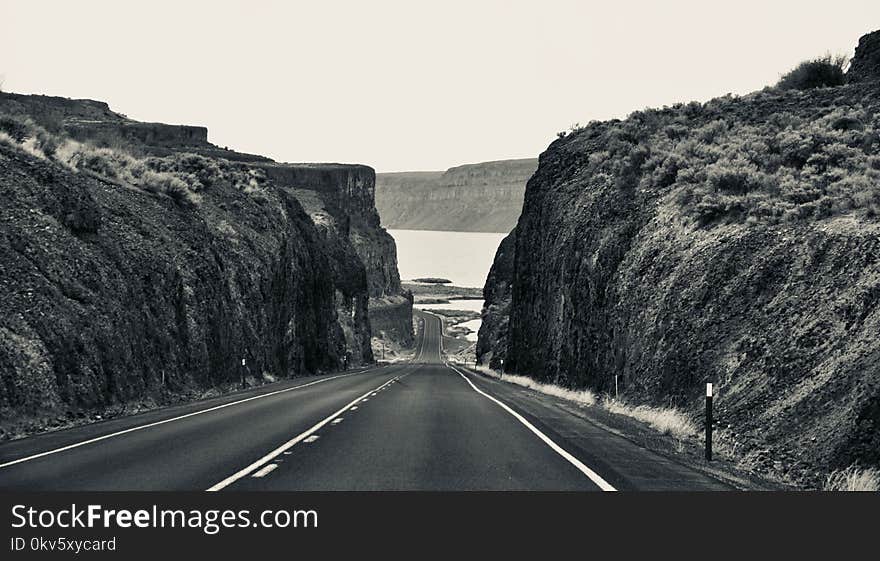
(409, 85)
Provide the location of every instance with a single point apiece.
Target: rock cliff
(865, 65)
(734, 242)
(341, 201)
(492, 338)
(119, 294)
(485, 197)
(113, 295)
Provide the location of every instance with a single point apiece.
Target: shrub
(169, 184)
(826, 71)
(736, 177)
(47, 143)
(18, 129)
(177, 180)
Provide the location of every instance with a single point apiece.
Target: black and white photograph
(258, 249)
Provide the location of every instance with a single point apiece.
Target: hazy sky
(409, 85)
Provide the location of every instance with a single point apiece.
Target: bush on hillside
(826, 71)
(113, 164)
(794, 165)
(17, 128)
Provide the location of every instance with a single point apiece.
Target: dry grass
(665, 420)
(853, 478)
(583, 397)
(114, 164)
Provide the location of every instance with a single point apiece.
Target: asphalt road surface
(420, 425)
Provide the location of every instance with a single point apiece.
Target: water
(462, 257)
(473, 325)
(471, 305)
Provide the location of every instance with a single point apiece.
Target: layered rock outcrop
(485, 197)
(341, 200)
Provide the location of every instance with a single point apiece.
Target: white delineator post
(709, 422)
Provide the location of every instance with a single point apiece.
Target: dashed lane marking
(265, 471)
(244, 472)
(171, 420)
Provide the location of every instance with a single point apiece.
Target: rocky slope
(485, 197)
(734, 242)
(147, 280)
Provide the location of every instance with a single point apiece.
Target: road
(420, 425)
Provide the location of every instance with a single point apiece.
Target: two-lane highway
(420, 425)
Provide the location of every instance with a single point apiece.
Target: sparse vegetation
(181, 177)
(666, 420)
(788, 167)
(854, 478)
(584, 397)
(826, 71)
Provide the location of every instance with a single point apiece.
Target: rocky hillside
(484, 197)
(734, 242)
(139, 267)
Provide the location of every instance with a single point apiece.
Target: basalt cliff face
(485, 197)
(865, 65)
(118, 297)
(734, 242)
(341, 201)
(492, 337)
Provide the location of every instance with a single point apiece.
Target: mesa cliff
(142, 264)
(734, 242)
(484, 197)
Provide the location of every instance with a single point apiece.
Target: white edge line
(157, 423)
(265, 471)
(594, 477)
(287, 445)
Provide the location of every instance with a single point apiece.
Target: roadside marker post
(616, 392)
(709, 422)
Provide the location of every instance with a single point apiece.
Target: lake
(469, 305)
(462, 257)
